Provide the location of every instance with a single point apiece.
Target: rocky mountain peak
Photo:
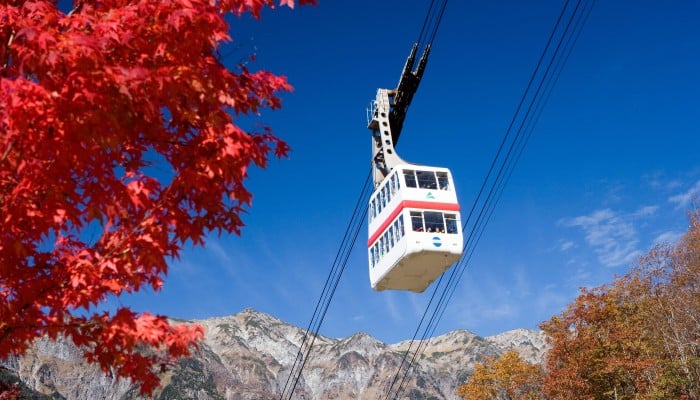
(529, 344)
(361, 343)
(250, 355)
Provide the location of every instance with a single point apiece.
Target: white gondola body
(414, 228)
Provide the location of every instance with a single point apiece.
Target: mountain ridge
(249, 355)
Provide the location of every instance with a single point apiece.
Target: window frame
(413, 183)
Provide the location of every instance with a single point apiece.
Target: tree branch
(7, 56)
(7, 152)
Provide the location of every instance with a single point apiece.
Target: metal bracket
(388, 112)
(384, 157)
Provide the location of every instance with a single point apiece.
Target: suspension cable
(437, 23)
(548, 78)
(430, 24)
(426, 23)
(338, 267)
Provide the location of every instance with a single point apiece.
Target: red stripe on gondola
(425, 205)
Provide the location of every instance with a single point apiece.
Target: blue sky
(609, 171)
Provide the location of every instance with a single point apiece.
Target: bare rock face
(531, 345)
(250, 355)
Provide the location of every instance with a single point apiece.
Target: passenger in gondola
(442, 180)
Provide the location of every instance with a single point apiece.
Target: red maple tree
(89, 101)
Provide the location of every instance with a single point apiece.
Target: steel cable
(556, 63)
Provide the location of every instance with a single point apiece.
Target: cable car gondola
(414, 224)
(414, 228)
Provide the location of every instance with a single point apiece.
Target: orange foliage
(87, 100)
(505, 378)
(636, 338)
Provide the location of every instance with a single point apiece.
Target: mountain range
(250, 355)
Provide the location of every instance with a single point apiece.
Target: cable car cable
(418, 349)
(429, 24)
(331, 283)
(491, 206)
(528, 123)
(332, 280)
(327, 304)
(337, 269)
(410, 344)
(560, 64)
(537, 103)
(437, 24)
(426, 23)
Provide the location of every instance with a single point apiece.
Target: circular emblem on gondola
(437, 242)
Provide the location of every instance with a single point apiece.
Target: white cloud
(580, 275)
(522, 282)
(551, 301)
(498, 311)
(418, 304)
(668, 238)
(653, 180)
(488, 301)
(611, 234)
(566, 245)
(682, 200)
(390, 303)
(646, 211)
(657, 181)
(673, 184)
(221, 254)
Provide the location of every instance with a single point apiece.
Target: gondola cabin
(414, 228)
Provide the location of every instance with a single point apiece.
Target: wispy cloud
(645, 211)
(522, 282)
(483, 301)
(565, 245)
(579, 276)
(392, 307)
(418, 304)
(509, 302)
(221, 257)
(611, 234)
(668, 238)
(658, 181)
(551, 300)
(499, 311)
(682, 200)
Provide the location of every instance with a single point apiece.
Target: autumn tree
(672, 282)
(636, 338)
(507, 377)
(90, 101)
(599, 349)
